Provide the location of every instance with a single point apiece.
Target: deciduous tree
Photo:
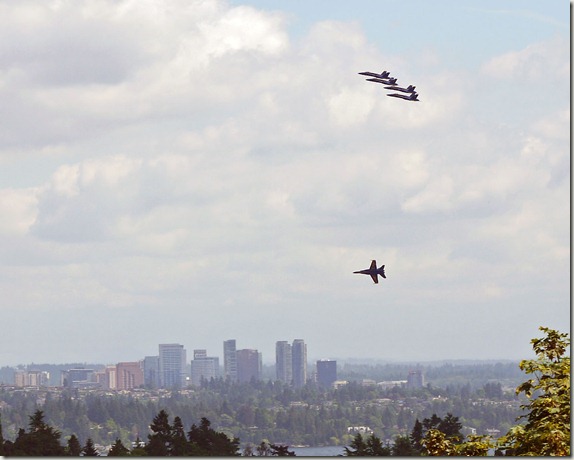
(547, 428)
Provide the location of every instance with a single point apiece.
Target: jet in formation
(383, 74)
(410, 97)
(384, 81)
(391, 84)
(408, 89)
(373, 271)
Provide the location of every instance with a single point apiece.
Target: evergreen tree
(417, 436)
(118, 450)
(206, 441)
(41, 439)
(89, 449)
(371, 447)
(451, 427)
(402, 447)
(74, 448)
(179, 445)
(160, 441)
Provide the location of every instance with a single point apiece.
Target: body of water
(327, 451)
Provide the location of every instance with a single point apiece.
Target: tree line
(164, 440)
(259, 411)
(546, 431)
(264, 410)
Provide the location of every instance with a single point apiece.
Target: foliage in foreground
(547, 428)
(545, 433)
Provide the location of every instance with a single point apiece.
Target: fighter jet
(373, 271)
(410, 97)
(389, 81)
(409, 89)
(383, 74)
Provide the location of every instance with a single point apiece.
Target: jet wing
(373, 265)
(375, 279)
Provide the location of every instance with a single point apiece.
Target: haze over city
(191, 172)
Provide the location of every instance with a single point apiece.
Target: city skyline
(182, 172)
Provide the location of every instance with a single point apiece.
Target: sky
(196, 171)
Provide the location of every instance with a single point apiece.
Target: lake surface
(327, 451)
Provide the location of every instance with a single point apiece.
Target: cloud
(18, 208)
(211, 165)
(544, 61)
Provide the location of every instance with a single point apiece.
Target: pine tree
(160, 441)
(73, 449)
(41, 439)
(118, 450)
(89, 449)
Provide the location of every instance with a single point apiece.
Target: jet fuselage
(412, 97)
(373, 271)
(409, 89)
(383, 74)
(390, 81)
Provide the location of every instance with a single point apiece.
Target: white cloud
(210, 161)
(539, 62)
(18, 210)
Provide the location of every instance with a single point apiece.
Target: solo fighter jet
(373, 271)
(408, 89)
(383, 74)
(410, 97)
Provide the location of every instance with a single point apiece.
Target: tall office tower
(415, 379)
(172, 363)
(151, 371)
(230, 360)
(299, 360)
(326, 372)
(129, 375)
(111, 382)
(248, 365)
(203, 367)
(283, 361)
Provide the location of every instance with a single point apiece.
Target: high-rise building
(230, 360)
(415, 379)
(151, 371)
(110, 381)
(79, 378)
(31, 378)
(299, 360)
(248, 365)
(203, 367)
(326, 372)
(129, 375)
(172, 365)
(283, 361)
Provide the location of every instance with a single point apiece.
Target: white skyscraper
(230, 360)
(299, 360)
(172, 360)
(203, 367)
(283, 361)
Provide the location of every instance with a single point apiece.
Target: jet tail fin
(383, 271)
